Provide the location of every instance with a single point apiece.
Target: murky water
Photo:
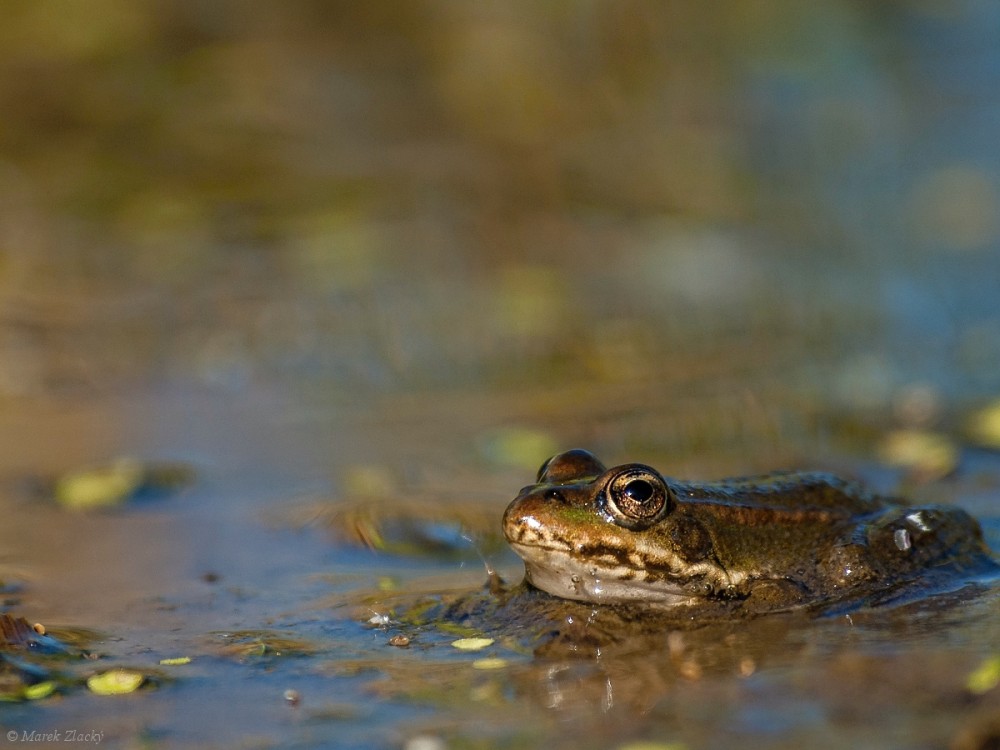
(362, 269)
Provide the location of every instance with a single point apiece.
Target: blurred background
(737, 224)
(443, 234)
(721, 236)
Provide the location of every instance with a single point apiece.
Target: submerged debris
(33, 662)
(252, 645)
(15, 631)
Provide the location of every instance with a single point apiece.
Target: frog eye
(637, 497)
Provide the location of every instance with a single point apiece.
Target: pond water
(360, 270)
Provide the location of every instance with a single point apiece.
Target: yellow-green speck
(984, 425)
(985, 677)
(517, 446)
(101, 487)
(39, 690)
(175, 661)
(929, 453)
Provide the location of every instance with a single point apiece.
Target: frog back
(786, 493)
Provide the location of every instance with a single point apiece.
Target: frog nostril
(555, 495)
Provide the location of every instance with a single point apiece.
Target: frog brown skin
(628, 534)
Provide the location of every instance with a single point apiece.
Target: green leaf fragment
(115, 682)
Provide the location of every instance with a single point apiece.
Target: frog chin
(558, 573)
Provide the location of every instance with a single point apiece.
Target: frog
(630, 535)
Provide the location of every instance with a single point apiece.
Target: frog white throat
(556, 572)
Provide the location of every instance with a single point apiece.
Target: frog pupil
(639, 490)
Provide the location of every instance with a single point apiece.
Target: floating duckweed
(369, 481)
(494, 662)
(984, 425)
(472, 644)
(530, 299)
(99, 488)
(39, 690)
(121, 481)
(985, 677)
(175, 661)
(425, 742)
(929, 453)
(521, 447)
(115, 682)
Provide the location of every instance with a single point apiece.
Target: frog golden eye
(637, 497)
